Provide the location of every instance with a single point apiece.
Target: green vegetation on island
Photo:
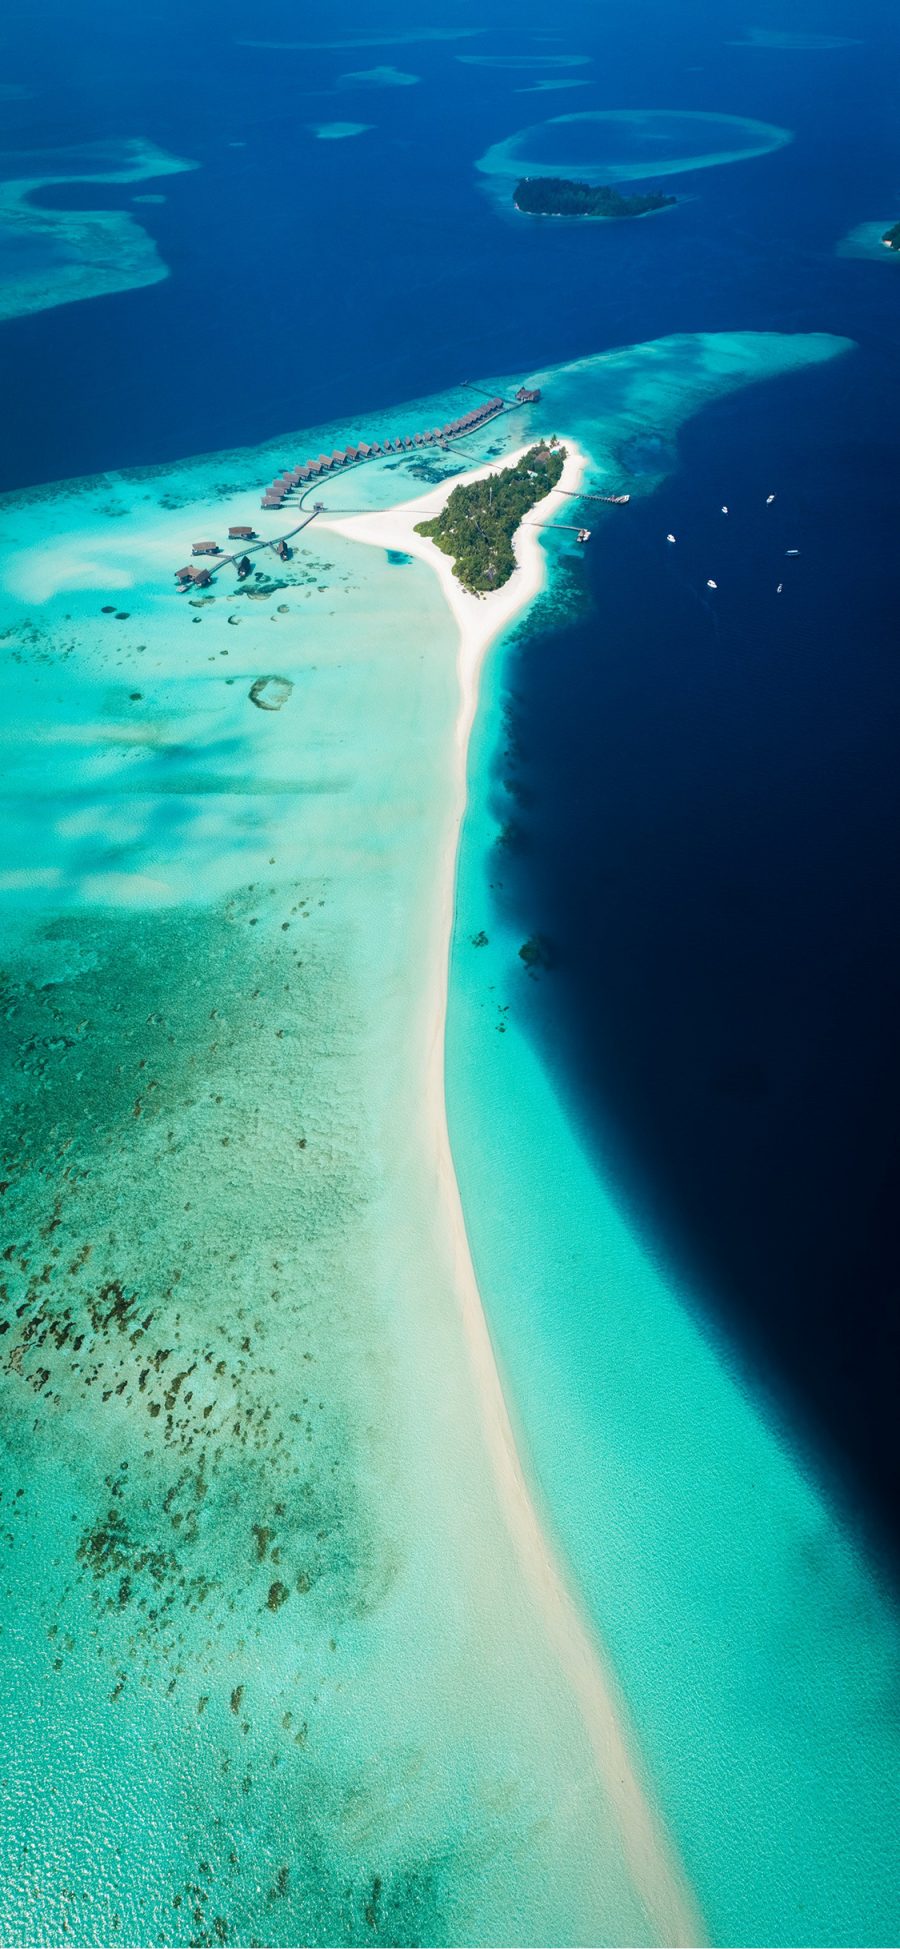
(892, 237)
(480, 519)
(555, 196)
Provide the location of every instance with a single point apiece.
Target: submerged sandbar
(58, 257)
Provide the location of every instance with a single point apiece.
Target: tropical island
(480, 519)
(556, 196)
(891, 238)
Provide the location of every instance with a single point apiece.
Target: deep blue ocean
(708, 790)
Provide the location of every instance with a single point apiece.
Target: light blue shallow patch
(627, 145)
(553, 87)
(408, 39)
(384, 77)
(526, 61)
(794, 40)
(338, 131)
(761, 1672)
(867, 240)
(237, 1371)
(52, 257)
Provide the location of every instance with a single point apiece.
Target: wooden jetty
(298, 479)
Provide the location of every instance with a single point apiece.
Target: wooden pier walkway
(214, 564)
(580, 494)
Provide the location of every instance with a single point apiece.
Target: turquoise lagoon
(274, 1670)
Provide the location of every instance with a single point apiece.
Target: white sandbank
(657, 1875)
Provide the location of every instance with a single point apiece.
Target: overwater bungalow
(528, 395)
(205, 548)
(241, 533)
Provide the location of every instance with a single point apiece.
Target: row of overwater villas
(331, 463)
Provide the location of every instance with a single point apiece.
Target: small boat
(724, 510)
(779, 588)
(792, 551)
(670, 538)
(769, 499)
(711, 584)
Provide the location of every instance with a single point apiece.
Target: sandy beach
(480, 620)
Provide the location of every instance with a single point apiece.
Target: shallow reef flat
(54, 257)
(411, 37)
(381, 77)
(626, 145)
(279, 1674)
(792, 40)
(338, 131)
(867, 240)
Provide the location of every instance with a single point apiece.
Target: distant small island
(479, 521)
(891, 237)
(555, 196)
